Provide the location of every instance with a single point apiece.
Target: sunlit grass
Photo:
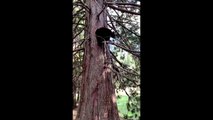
(122, 108)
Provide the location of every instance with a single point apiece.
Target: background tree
(90, 73)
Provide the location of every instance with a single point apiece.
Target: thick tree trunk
(98, 100)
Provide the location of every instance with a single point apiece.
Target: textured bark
(98, 100)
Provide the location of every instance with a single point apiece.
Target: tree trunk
(98, 100)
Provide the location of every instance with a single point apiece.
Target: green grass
(121, 103)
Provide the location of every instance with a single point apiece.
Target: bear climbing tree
(97, 96)
(103, 34)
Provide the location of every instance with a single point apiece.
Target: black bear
(103, 34)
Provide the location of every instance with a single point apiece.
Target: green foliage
(125, 110)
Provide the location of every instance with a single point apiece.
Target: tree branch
(121, 3)
(128, 71)
(132, 80)
(113, 27)
(136, 53)
(124, 31)
(79, 24)
(81, 18)
(78, 12)
(115, 58)
(78, 34)
(78, 49)
(122, 10)
(80, 3)
(77, 41)
(126, 28)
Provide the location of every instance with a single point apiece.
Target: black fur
(103, 34)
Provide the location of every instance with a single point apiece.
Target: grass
(121, 103)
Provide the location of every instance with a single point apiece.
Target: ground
(121, 103)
